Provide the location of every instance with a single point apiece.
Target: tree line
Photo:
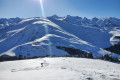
(72, 52)
(82, 54)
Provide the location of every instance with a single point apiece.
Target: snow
(115, 32)
(8, 22)
(29, 35)
(59, 69)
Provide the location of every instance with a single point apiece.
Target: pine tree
(106, 57)
(20, 56)
(90, 55)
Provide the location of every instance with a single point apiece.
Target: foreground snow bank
(59, 69)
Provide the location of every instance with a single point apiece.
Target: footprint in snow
(89, 78)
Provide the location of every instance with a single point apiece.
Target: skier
(41, 64)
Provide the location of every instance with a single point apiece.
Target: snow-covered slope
(8, 22)
(59, 69)
(101, 22)
(39, 37)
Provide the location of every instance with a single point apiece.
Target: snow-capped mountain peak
(37, 36)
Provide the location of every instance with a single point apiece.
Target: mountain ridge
(28, 36)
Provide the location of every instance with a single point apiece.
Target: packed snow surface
(59, 69)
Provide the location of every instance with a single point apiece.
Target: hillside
(40, 36)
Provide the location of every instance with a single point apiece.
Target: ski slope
(59, 69)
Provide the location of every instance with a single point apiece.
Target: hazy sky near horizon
(83, 8)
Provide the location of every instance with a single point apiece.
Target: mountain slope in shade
(8, 22)
(28, 37)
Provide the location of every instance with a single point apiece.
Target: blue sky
(83, 8)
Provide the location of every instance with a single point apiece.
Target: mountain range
(40, 36)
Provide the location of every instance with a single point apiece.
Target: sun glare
(46, 27)
(42, 8)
